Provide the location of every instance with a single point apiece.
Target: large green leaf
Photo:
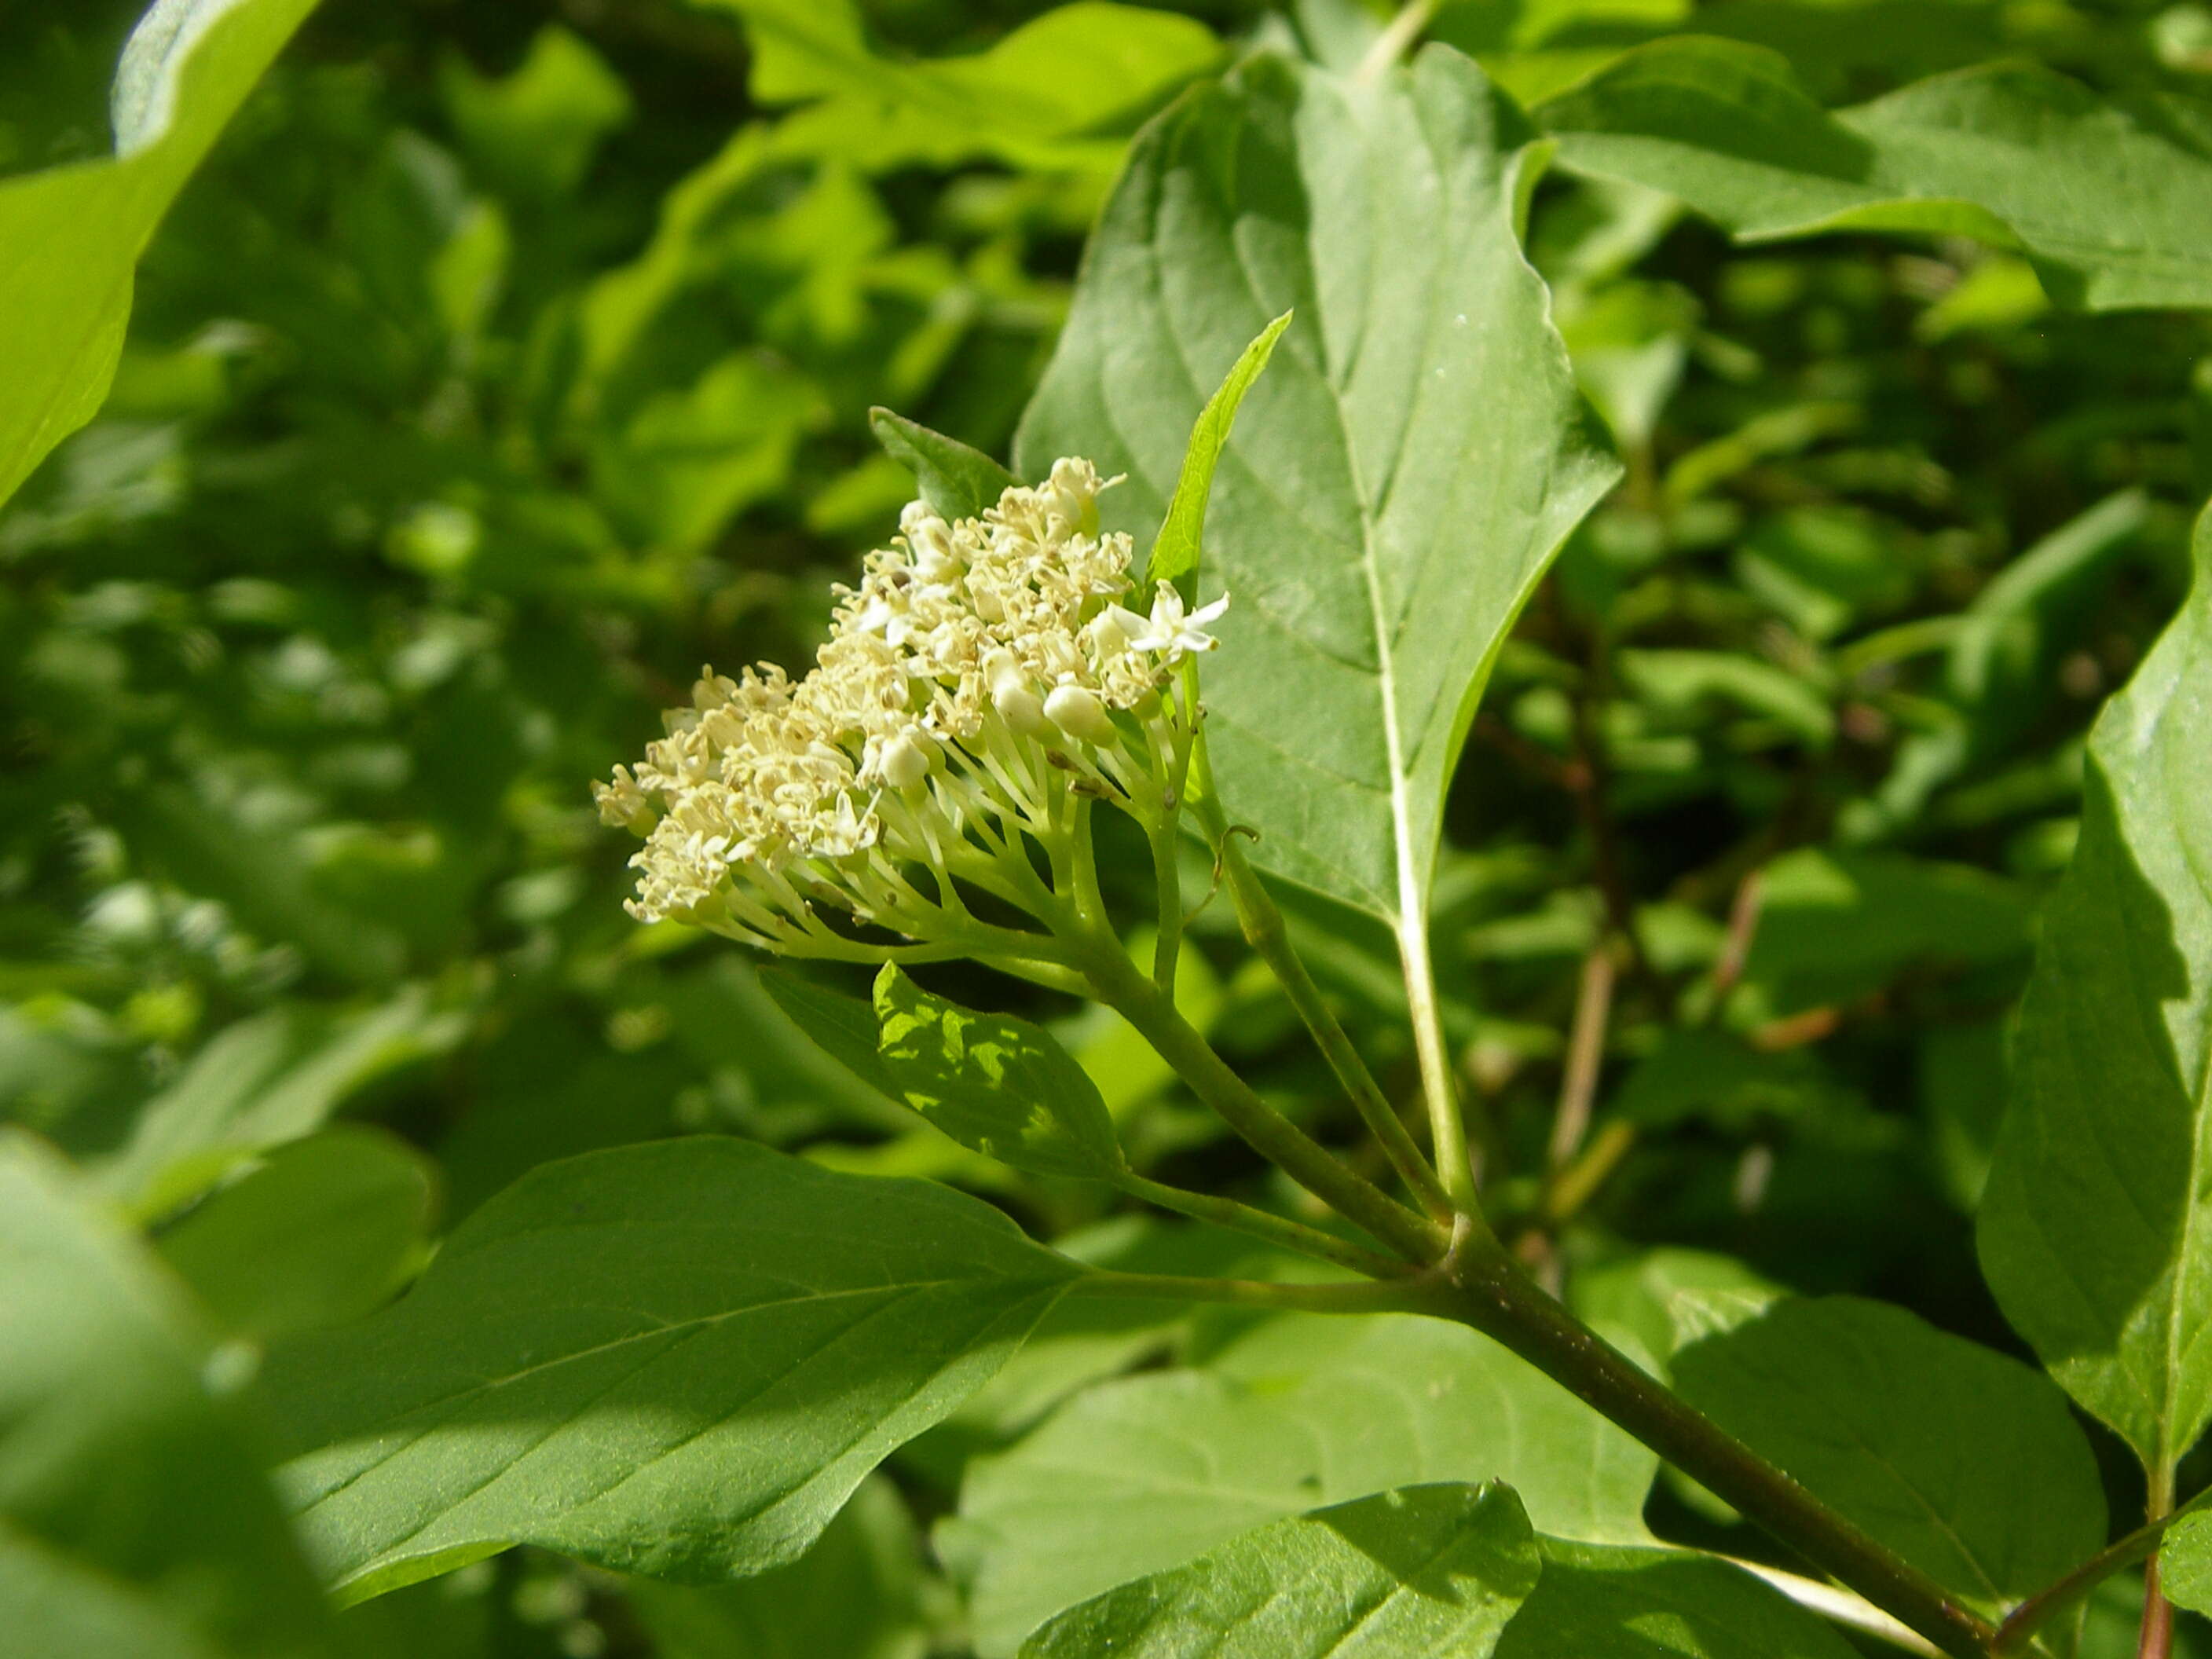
(2096, 1227)
(1399, 478)
(676, 1359)
(1403, 1575)
(2115, 210)
(71, 237)
(1142, 1475)
(1597, 1603)
(133, 1521)
(1967, 1463)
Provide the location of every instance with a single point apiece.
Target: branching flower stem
(1266, 931)
(1120, 987)
(1278, 1231)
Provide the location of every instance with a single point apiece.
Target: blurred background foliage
(510, 360)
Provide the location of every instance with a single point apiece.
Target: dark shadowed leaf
(857, 1594)
(1597, 1603)
(2095, 1231)
(1967, 1463)
(997, 1085)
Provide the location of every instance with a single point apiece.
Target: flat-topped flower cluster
(985, 671)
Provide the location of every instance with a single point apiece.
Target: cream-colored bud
(905, 760)
(1022, 710)
(1077, 710)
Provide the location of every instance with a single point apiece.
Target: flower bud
(1021, 709)
(1077, 710)
(905, 760)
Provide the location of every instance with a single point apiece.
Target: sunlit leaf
(71, 237)
(2115, 211)
(1403, 1575)
(1142, 1475)
(736, 1339)
(1397, 481)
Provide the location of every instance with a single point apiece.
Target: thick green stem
(1268, 935)
(1274, 1137)
(1278, 1231)
(1483, 1287)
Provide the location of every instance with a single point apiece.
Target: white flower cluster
(984, 674)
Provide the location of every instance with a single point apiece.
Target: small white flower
(1174, 634)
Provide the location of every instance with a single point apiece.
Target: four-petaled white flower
(1171, 632)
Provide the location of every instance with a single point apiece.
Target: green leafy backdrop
(1788, 417)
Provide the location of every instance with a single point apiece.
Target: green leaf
(857, 1594)
(957, 481)
(1143, 1473)
(1403, 1575)
(1967, 1463)
(133, 1521)
(1047, 95)
(1652, 1296)
(268, 1079)
(324, 1230)
(1181, 543)
(71, 237)
(2095, 1230)
(1675, 684)
(689, 460)
(1597, 1603)
(1404, 473)
(2116, 212)
(1835, 925)
(533, 133)
(676, 1359)
(2185, 1564)
(996, 1085)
